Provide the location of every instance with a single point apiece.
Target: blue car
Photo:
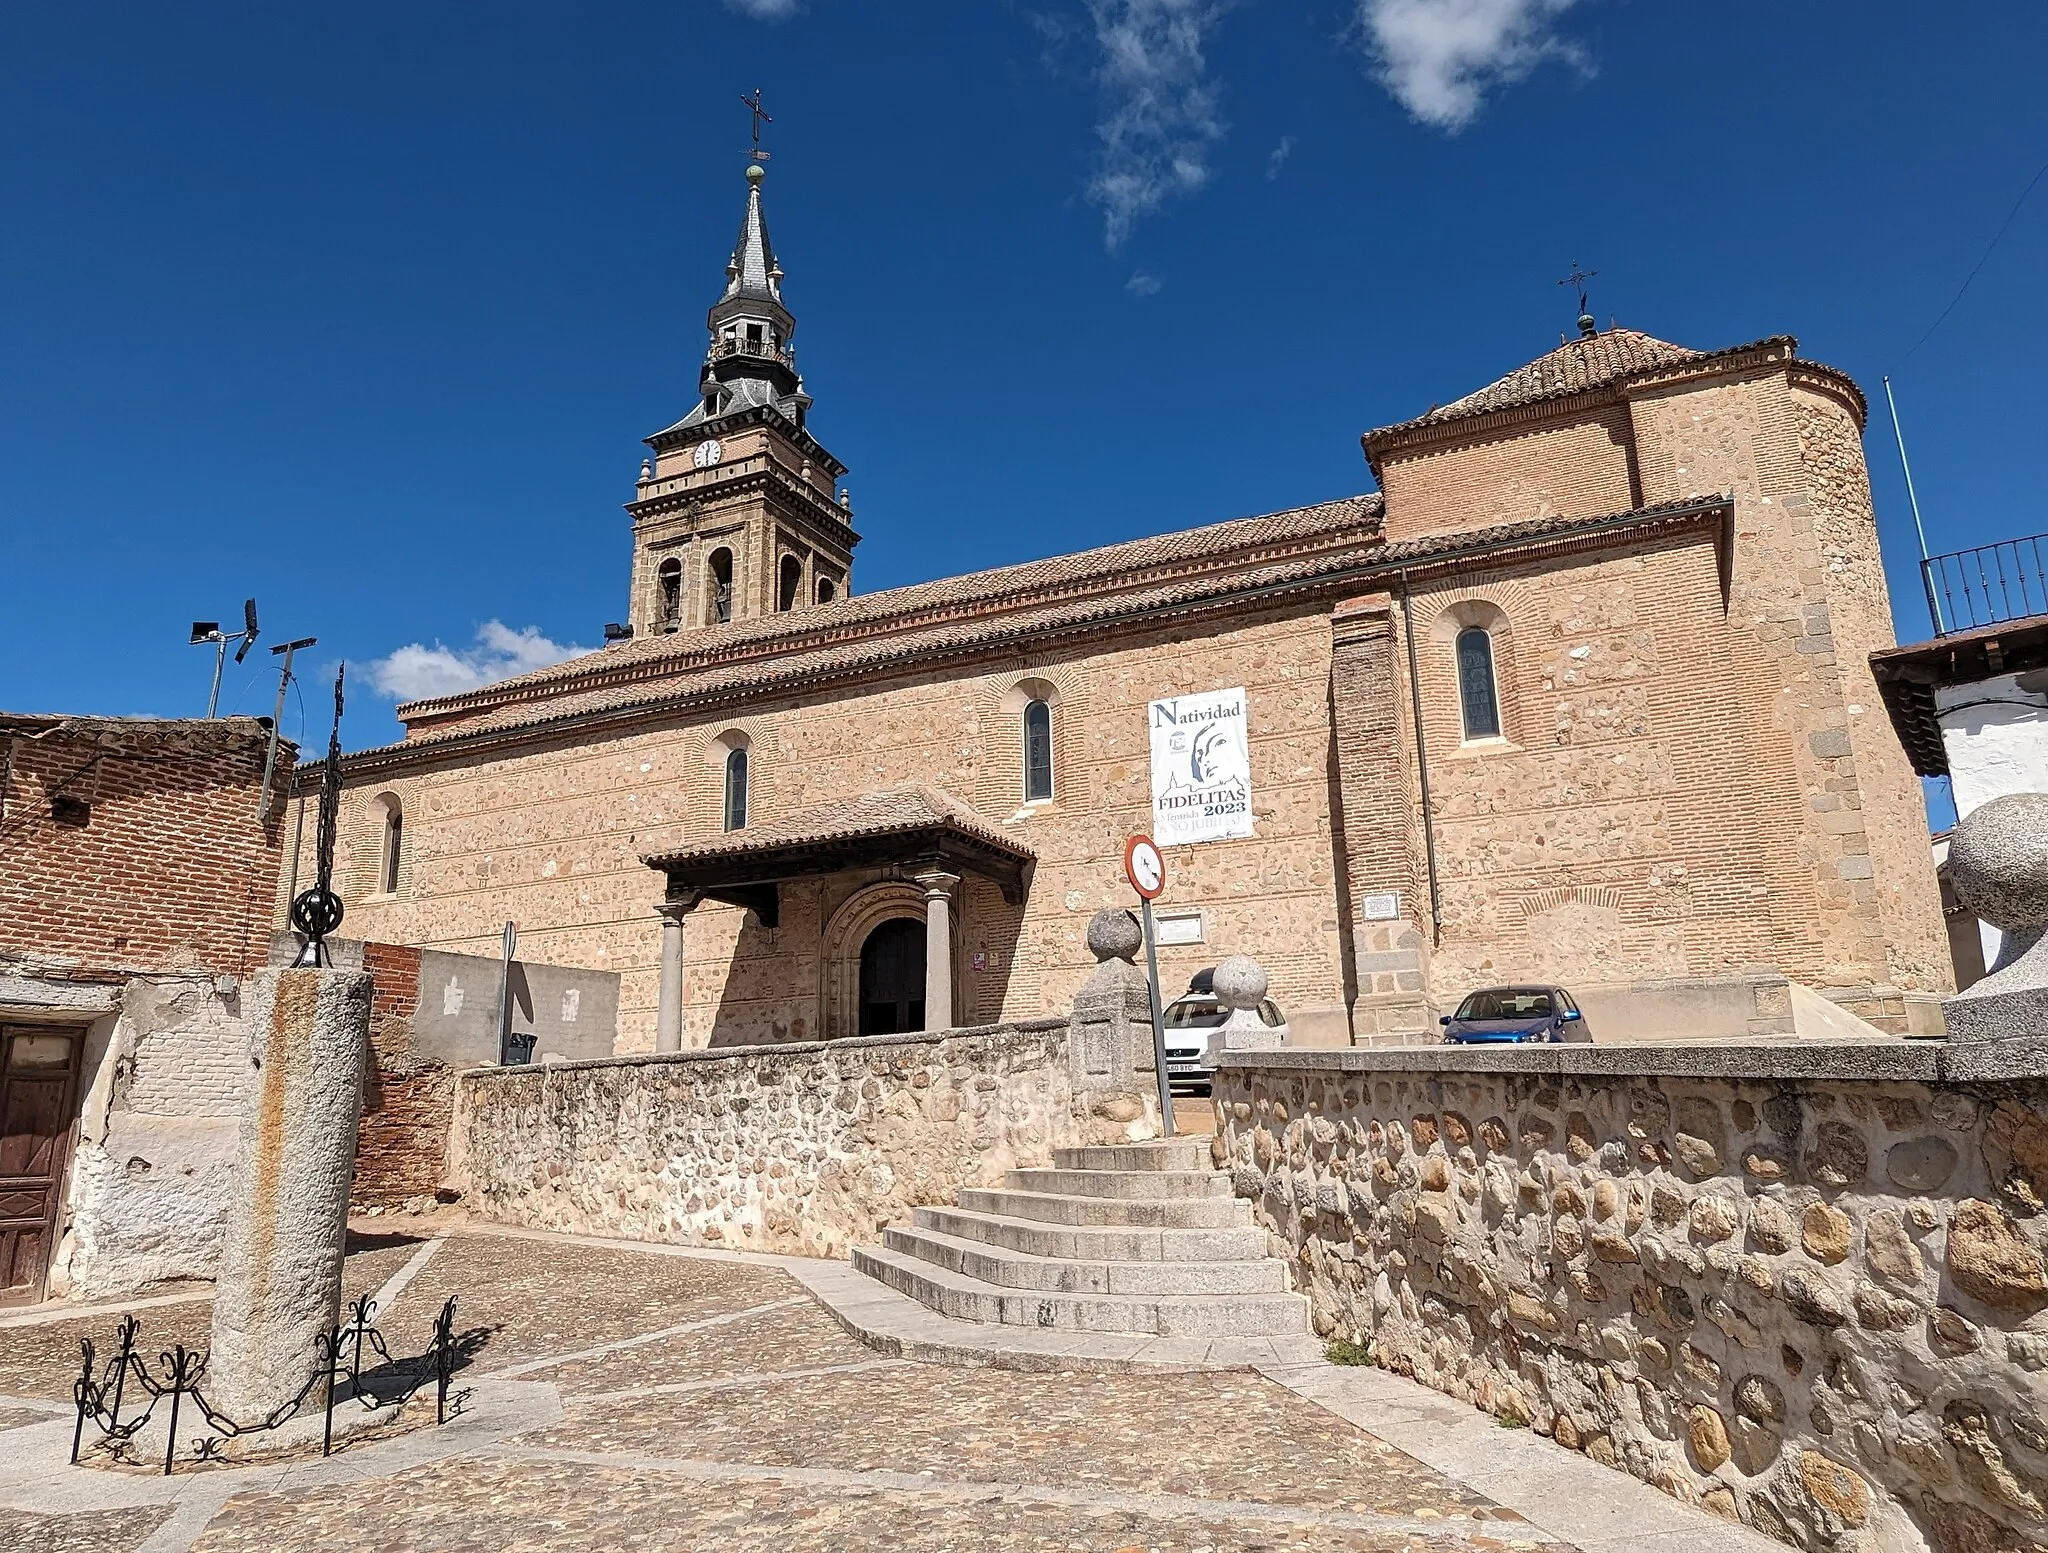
(1515, 1014)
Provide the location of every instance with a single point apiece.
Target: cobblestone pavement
(42, 1360)
(711, 1404)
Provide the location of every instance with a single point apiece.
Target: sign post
(1146, 870)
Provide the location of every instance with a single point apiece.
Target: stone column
(938, 948)
(1109, 1039)
(279, 1288)
(668, 1016)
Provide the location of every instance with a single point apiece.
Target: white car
(1194, 1022)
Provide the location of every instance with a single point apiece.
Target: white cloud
(1143, 285)
(416, 672)
(1159, 108)
(1439, 57)
(766, 10)
(1277, 157)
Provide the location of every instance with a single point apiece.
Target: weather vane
(1578, 278)
(753, 105)
(318, 911)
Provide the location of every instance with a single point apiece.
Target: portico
(887, 955)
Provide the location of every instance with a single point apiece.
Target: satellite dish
(249, 629)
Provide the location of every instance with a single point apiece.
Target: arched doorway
(892, 978)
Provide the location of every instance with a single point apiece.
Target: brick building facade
(1581, 694)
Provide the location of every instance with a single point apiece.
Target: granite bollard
(1240, 986)
(1998, 863)
(279, 1285)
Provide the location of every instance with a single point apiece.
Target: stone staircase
(1141, 1238)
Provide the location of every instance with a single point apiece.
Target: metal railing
(1985, 586)
(766, 350)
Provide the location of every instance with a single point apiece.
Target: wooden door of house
(38, 1077)
(892, 978)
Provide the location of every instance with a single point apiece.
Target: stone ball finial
(1998, 860)
(1239, 982)
(1114, 934)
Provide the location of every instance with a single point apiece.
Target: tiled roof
(143, 732)
(1572, 368)
(1578, 366)
(891, 811)
(822, 657)
(985, 595)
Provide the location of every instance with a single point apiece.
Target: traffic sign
(1144, 867)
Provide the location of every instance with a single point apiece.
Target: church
(1580, 695)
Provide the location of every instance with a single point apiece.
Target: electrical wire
(1996, 239)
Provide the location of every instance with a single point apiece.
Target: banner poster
(1201, 768)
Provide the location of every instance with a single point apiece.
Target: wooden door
(38, 1077)
(892, 978)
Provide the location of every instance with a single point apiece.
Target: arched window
(669, 586)
(828, 590)
(1037, 751)
(792, 581)
(721, 586)
(1478, 700)
(736, 788)
(390, 844)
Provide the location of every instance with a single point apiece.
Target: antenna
(284, 650)
(1933, 604)
(210, 631)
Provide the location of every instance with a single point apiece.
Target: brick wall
(402, 1139)
(1578, 465)
(136, 844)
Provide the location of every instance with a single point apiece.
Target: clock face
(707, 453)
(1144, 866)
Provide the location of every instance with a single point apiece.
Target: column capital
(936, 881)
(680, 906)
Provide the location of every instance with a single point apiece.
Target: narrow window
(394, 838)
(792, 581)
(736, 789)
(1476, 696)
(671, 602)
(721, 586)
(1037, 752)
(827, 590)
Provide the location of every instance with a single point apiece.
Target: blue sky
(364, 309)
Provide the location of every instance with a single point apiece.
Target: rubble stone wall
(806, 1148)
(1803, 1286)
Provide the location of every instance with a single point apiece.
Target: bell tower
(739, 513)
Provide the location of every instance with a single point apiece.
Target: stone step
(1095, 1242)
(1122, 1183)
(1195, 1315)
(1172, 1154)
(1146, 1213)
(1060, 1275)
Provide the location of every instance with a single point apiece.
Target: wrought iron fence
(1987, 585)
(101, 1393)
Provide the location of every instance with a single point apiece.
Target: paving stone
(96, 1531)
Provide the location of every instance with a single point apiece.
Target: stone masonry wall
(806, 1148)
(552, 835)
(158, 1116)
(1803, 1287)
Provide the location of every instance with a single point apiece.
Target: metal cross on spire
(753, 105)
(1578, 278)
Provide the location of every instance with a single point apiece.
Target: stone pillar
(1240, 986)
(668, 1012)
(1109, 1037)
(279, 1288)
(1998, 863)
(938, 948)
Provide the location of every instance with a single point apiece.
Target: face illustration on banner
(1201, 768)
